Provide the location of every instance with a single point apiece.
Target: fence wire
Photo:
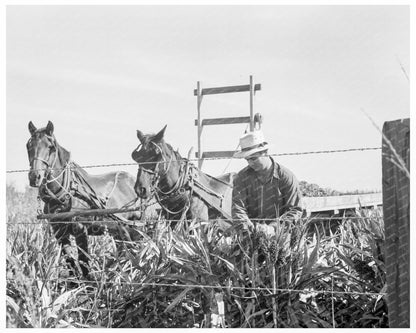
(314, 219)
(207, 286)
(270, 291)
(210, 158)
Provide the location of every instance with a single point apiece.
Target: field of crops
(315, 273)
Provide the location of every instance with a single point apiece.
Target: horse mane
(149, 137)
(175, 152)
(63, 154)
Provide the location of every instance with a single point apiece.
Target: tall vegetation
(306, 275)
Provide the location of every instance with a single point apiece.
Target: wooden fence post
(396, 211)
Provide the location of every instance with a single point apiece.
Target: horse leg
(199, 211)
(126, 234)
(62, 233)
(80, 233)
(122, 233)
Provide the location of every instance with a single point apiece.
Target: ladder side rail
(199, 101)
(199, 92)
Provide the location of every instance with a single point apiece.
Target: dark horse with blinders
(182, 190)
(64, 186)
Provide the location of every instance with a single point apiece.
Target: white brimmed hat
(251, 143)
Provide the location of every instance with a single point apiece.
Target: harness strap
(208, 190)
(86, 192)
(40, 159)
(183, 210)
(209, 200)
(64, 191)
(72, 180)
(108, 196)
(187, 180)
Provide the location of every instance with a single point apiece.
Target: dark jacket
(279, 196)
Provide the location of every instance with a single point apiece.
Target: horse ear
(159, 136)
(140, 136)
(133, 155)
(49, 128)
(190, 152)
(32, 128)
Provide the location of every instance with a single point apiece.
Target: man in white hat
(264, 192)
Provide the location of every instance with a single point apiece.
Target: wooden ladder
(252, 119)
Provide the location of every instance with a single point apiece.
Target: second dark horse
(182, 190)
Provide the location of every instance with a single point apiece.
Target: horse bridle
(46, 162)
(64, 193)
(177, 189)
(156, 175)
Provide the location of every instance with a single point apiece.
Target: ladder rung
(229, 89)
(211, 154)
(223, 121)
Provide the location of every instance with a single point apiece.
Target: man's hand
(243, 225)
(248, 225)
(265, 228)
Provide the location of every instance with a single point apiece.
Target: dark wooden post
(396, 211)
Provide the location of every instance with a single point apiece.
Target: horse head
(154, 157)
(42, 152)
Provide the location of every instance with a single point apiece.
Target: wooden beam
(223, 121)
(331, 203)
(211, 154)
(251, 88)
(229, 89)
(198, 102)
(87, 212)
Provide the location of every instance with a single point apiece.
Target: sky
(99, 73)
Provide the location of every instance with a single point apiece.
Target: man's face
(258, 161)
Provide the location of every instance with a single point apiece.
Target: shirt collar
(275, 171)
(276, 168)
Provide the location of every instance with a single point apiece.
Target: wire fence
(103, 282)
(268, 291)
(173, 221)
(211, 158)
(230, 288)
(106, 282)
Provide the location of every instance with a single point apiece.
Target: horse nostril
(34, 179)
(142, 191)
